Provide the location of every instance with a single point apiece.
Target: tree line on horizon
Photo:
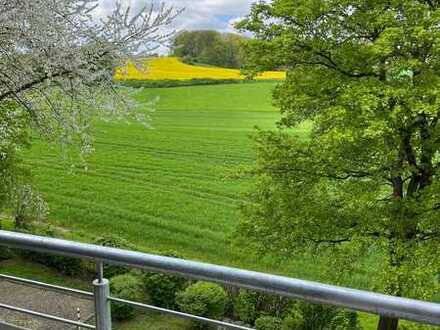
(208, 47)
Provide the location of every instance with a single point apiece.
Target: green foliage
(16, 194)
(5, 253)
(162, 288)
(128, 287)
(306, 316)
(405, 325)
(14, 135)
(28, 206)
(203, 299)
(250, 305)
(65, 265)
(114, 241)
(246, 306)
(366, 75)
(208, 47)
(268, 323)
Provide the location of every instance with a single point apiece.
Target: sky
(198, 14)
(211, 14)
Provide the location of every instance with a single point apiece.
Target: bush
(203, 299)
(128, 287)
(65, 265)
(114, 242)
(268, 323)
(251, 305)
(231, 293)
(247, 306)
(5, 253)
(161, 288)
(306, 316)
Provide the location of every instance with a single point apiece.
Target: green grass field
(171, 187)
(165, 188)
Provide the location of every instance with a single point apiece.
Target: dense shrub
(65, 265)
(114, 242)
(250, 305)
(247, 306)
(203, 299)
(306, 316)
(128, 287)
(268, 323)
(231, 293)
(5, 253)
(161, 288)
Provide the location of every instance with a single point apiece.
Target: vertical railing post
(387, 323)
(101, 291)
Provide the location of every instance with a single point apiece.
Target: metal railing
(358, 300)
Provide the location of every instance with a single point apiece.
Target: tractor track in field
(166, 223)
(211, 197)
(202, 155)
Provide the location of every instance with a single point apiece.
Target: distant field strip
(171, 68)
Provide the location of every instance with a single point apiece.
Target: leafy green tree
(208, 47)
(365, 75)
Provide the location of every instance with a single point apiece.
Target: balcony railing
(358, 300)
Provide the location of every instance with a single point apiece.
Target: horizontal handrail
(47, 316)
(395, 307)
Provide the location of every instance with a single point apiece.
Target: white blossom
(57, 59)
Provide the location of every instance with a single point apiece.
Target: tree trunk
(20, 222)
(387, 323)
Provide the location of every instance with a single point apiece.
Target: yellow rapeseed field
(171, 68)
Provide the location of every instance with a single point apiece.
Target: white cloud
(198, 14)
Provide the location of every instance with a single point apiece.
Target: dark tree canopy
(365, 75)
(208, 47)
